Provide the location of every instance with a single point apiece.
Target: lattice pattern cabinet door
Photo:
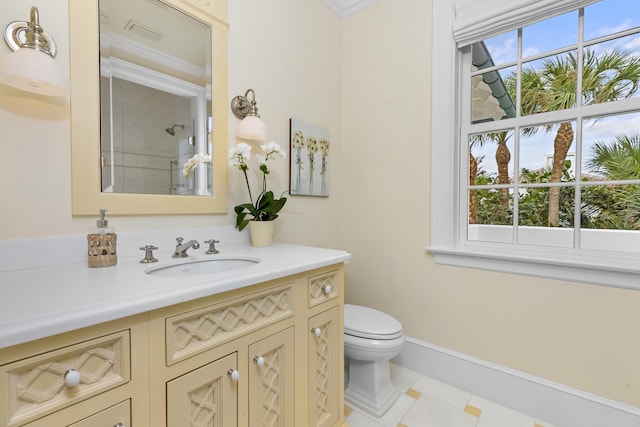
(206, 397)
(271, 381)
(324, 351)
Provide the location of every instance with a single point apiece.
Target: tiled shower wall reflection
(146, 158)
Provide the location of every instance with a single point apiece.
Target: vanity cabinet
(267, 335)
(268, 354)
(76, 378)
(227, 359)
(209, 394)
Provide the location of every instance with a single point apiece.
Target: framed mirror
(149, 92)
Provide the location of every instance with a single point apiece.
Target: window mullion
(516, 136)
(463, 145)
(577, 188)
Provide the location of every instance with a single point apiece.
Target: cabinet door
(324, 362)
(271, 381)
(207, 396)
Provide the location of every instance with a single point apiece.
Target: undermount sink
(201, 267)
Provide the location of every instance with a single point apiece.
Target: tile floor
(426, 402)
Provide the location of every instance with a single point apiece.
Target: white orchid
(239, 156)
(191, 164)
(266, 206)
(271, 148)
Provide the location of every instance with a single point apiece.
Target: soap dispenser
(101, 243)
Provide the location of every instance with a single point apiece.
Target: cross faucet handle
(148, 254)
(212, 247)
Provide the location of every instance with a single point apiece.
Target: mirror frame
(87, 197)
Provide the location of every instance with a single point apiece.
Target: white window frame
(448, 245)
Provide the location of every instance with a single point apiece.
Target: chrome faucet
(181, 248)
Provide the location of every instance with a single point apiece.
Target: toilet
(371, 339)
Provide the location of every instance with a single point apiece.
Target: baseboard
(545, 400)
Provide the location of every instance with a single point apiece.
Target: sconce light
(250, 126)
(31, 66)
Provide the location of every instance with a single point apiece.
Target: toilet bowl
(371, 339)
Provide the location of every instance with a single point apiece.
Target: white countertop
(40, 302)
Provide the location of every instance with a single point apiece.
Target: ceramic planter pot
(261, 232)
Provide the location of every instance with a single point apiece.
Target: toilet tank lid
(365, 321)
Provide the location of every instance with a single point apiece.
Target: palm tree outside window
(559, 149)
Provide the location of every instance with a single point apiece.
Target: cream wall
(366, 79)
(579, 335)
(287, 50)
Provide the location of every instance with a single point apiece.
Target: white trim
(139, 50)
(114, 67)
(549, 267)
(346, 8)
(478, 20)
(603, 245)
(593, 267)
(545, 400)
(443, 125)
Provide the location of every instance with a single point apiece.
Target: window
(546, 152)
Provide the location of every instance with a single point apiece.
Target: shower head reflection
(171, 130)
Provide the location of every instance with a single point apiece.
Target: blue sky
(601, 18)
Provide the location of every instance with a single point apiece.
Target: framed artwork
(309, 160)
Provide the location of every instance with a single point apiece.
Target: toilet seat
(365, 322)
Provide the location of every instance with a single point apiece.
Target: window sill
(608, 269)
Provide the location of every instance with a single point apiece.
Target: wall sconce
(250, 126)
(31, 66)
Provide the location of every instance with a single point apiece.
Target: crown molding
(346, 8)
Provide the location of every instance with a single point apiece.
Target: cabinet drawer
(35, 386)
(196, 331)
(324, 287)
(116, 415)
(119, 414)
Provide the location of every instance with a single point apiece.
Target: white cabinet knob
(259, 360)
(327, 289)
(119, 425)
(316, 331)
(234, 375)
(72, 378)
